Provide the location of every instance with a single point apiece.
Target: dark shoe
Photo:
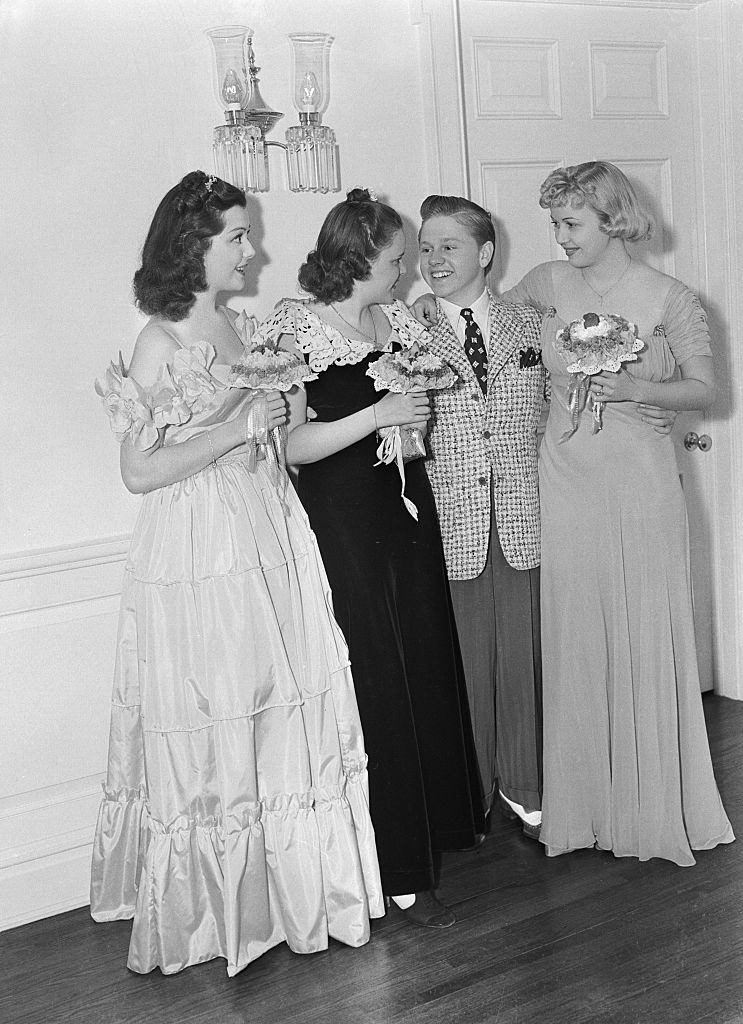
(531, 831)
(479, 840)
(428, 911)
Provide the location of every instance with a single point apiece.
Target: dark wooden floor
(581, 939)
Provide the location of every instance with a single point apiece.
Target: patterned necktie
(474, 346)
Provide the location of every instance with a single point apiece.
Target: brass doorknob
(701, 441)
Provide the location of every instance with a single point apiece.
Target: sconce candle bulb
(232, 91)
(310, 95)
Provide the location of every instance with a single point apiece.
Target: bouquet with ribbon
(595, 342)
(265, 367)
(411, 369)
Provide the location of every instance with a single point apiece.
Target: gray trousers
(497, 616)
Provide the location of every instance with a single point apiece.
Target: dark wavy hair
(474, 218)
(607, 190)
(350, 240)
(185, 222)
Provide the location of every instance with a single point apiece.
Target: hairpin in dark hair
(362, 195)
(185, 222)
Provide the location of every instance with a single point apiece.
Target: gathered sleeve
(534, 289)
(408, 330)
(685, 324)
(138, 413)
(283, 320)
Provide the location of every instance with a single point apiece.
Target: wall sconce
(240, 145)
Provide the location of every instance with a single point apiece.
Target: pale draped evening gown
(627, 765)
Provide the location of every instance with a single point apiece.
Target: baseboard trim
(45, 886)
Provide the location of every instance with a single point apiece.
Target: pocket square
(529, 357)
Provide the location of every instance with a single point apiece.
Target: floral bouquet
(595, 342)
(265, 367)
(412, 369)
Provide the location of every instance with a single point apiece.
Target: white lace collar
(324, 345)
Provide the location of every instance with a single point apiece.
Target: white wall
(105, 105)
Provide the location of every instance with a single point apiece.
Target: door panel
(550, 84)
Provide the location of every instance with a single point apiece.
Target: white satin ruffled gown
(235, 813)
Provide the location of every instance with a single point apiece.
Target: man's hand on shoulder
(424, 310)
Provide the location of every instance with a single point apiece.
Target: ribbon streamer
(256, 430)
(578, 395)
(597, 407)
(279, 436)
(389, 451)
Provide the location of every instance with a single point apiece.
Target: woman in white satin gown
(235, 811)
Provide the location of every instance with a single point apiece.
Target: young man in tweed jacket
(483, 469)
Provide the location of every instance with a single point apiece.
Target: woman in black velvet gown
(386, 571)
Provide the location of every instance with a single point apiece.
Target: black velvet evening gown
(391, 599)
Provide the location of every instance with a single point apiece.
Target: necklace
(602, 295)
(353, 327)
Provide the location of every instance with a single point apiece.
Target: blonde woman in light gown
(626, 759)
(235, 812)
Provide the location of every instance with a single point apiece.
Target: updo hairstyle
(185, 222)
(607, 191)
(350, 240)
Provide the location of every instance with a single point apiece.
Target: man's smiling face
(452, 261)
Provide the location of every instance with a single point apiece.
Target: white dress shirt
(480, 310)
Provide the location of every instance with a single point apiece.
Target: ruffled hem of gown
(297, 867)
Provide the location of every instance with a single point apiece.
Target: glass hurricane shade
(228, 44)
(310, 71)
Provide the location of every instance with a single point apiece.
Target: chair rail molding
(46, 585)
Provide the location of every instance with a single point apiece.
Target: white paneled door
(555, 83)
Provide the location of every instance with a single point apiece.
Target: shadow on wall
(500, 257)
(412, 278)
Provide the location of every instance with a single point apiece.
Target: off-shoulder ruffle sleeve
(318, 341)
(534, 289)
(181, 388)
(685, 324)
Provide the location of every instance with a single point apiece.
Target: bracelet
(211, 448)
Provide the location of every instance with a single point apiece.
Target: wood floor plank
(581, 939)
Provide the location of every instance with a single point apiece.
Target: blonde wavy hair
(608, 192)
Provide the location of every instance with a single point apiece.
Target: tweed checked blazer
(474, 439)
